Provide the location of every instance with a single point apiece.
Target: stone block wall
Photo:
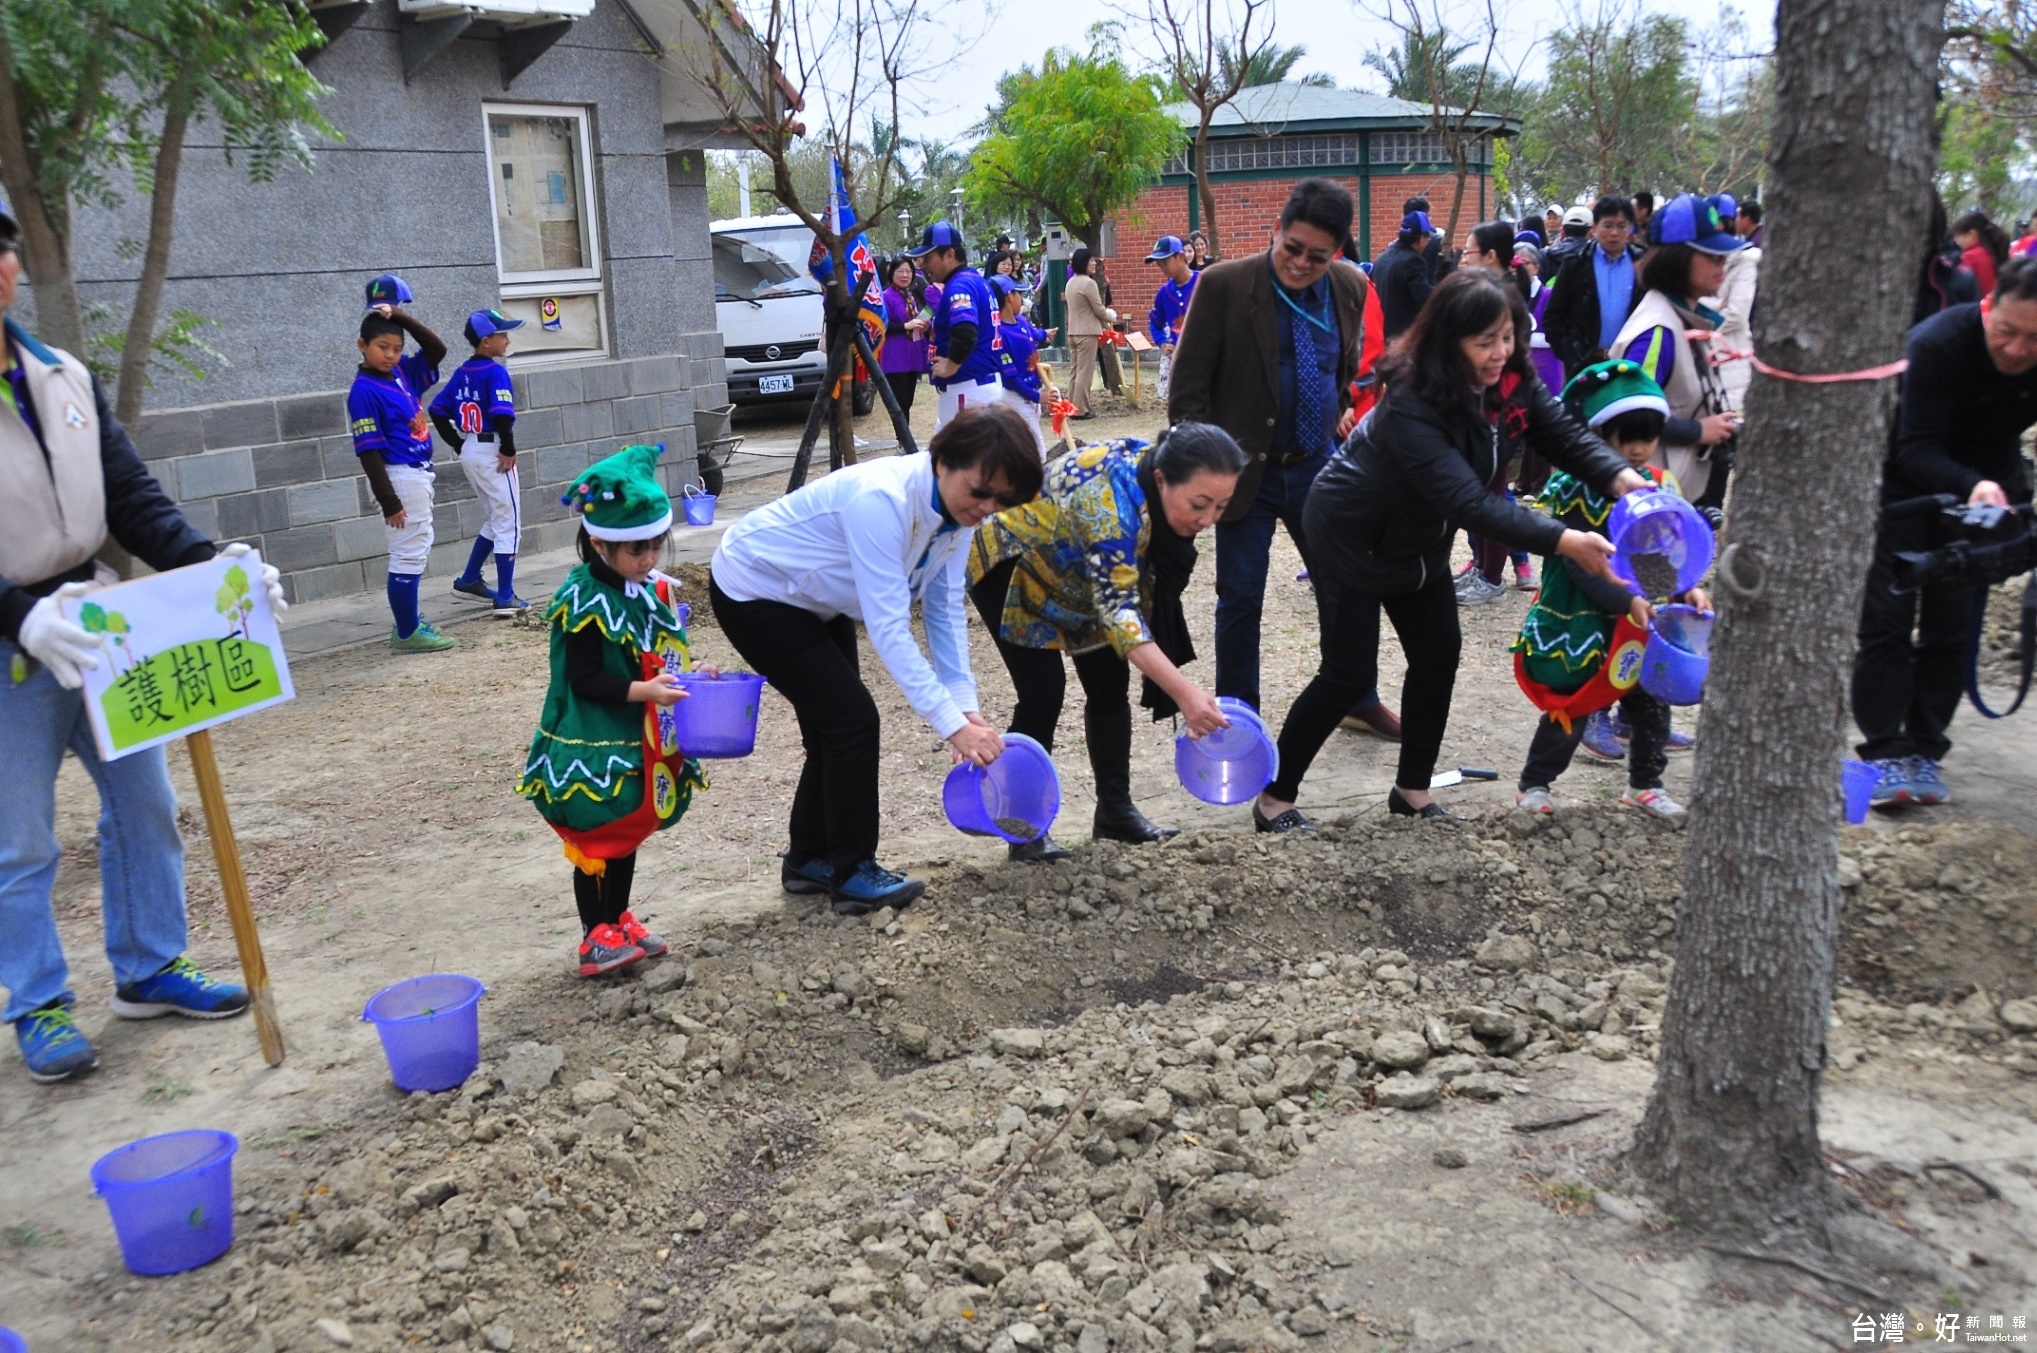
(281, 473)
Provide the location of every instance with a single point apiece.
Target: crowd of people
(1513, 389)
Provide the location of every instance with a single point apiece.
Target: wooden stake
(234, 884)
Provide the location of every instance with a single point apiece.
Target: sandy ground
(381, 840)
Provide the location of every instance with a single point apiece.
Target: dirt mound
(1934, 914)
(1038, 1110)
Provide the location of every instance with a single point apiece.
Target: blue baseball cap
(1694, 221)
(485, 323)
(388, 289)
(1167, 246)
(939, 235)
(1002, 286)
(1417, 223)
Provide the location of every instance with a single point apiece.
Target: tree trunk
(45, 245)
(1459, 166)
(1730, 1138)
(1203, 191)
(139, 345)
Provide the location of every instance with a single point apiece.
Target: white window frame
(545, 282)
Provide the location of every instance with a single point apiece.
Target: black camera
(1989, 545)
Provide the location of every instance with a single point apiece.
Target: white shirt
(866, 542)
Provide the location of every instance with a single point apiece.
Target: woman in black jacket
(1460, 392)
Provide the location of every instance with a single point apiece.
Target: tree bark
(1203, 190)
(45, 246)
(139, 343)
(1729, 1141)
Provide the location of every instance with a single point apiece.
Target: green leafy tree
(1616, 107)
(234, 600)
(1077, 139)
(1988, 85)
(95, 90)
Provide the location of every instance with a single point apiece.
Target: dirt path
(382, 841)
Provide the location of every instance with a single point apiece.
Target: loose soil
(1358, 1092)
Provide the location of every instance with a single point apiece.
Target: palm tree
(1271, 66)
(1412, 68)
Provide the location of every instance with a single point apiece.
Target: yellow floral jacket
(1080, 547)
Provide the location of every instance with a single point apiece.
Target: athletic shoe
(1479, 590)
(180, 989)
(1680, 742)
(1896, 788)
(1654, 802)
(1524, 578)
(606, 949)
(637, 933)
(424, 639)
(1535, 800)
(1464, 575)
(476, 589)
(1599, 739)
(51, 1045)
(1929, 782)
(873, 886)
(510, 605)
(815, 876)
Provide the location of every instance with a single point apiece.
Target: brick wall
(1247, 210)
(281, 473)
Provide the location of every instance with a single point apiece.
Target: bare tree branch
(1207, 51)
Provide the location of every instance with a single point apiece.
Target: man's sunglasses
(1317, 258)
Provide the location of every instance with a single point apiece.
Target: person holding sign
(604, 769)
(70, 480)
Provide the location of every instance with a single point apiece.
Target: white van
(768, 308)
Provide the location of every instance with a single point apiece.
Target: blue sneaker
(179, 989)
(508, 607)
(1927, 782)
(1680, 742)
(873, 886)
(1600, 740)
(1895, 788)
(51, 1045)
(815, 876)
(476, 589)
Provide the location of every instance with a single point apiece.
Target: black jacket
(1958, 420)
(1947, 282)
(139, 516)
(1382, 513)
(1572, 319)
(1402, 278)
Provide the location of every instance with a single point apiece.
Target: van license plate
(774, 385)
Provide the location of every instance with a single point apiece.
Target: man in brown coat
(1268, 352)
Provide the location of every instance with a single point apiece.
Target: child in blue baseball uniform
(392, 438)
(1170, 302)
(965, 368)
(1024, 379)
(476, 412)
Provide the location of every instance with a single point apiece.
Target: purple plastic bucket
(171, 1199)
(699, 506)
(1657, 522)
(1677, 658)
(718, 717)
(1232, 764)
(10, 1342)
(1015, 798)
(1858, 779)
(430, 1029)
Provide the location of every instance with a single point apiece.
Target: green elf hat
(1608, 389)
(620, 498)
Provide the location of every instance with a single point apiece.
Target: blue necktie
(1308, 385)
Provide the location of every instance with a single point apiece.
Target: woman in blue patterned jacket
(1095, 567)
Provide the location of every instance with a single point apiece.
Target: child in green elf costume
(1580, 645)
(605, 768)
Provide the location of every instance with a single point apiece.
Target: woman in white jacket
(1735, 302)
(789, 582)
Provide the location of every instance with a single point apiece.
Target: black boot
(1119, 819)
(1039, 850)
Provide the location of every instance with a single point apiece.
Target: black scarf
(1170, 562)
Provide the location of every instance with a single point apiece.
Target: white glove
(272, 580)
(1110, 314)
(55, 642)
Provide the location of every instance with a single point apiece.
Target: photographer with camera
(1968, 397)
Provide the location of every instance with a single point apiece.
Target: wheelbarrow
(716, 444)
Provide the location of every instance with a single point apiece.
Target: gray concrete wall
(281, 473)
(258, 450)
